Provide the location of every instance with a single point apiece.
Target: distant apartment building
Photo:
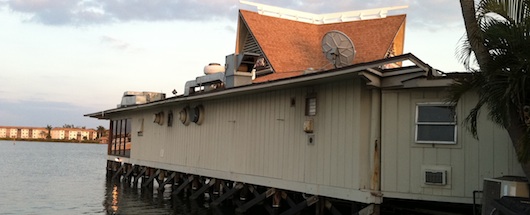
(73, 134)
(20, 132)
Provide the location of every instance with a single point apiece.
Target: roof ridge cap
(318, 19)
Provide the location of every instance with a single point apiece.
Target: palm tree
(49, 128)
(498, 37)
(100, 131)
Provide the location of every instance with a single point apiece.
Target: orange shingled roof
(292, 47)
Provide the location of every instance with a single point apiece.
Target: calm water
(66, 178)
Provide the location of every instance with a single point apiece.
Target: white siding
(470, 160)
(262, 135)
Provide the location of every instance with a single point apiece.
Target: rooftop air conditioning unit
(495, 188)
(131, 98)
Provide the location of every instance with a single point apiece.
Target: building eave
(369, 69)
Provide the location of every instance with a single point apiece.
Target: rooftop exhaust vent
(213, 68)
(237, 72)
(239, 69)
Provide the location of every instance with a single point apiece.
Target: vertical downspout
(375, 142)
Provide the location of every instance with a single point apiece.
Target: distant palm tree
(49, 128)
(498, 38)
(100, 131)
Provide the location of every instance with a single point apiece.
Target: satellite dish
(338, 48)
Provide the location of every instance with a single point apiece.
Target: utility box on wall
(495, 188)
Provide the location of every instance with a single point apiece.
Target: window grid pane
(435, 124)
(432, 113)
(439, 133)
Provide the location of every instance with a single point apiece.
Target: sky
(61, 59)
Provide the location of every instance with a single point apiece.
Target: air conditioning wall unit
(495, 188)
(436, 176)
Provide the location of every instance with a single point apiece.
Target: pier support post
(276, 199)
(244, 192)
(195, 183)
(109, 167)
(217, 189)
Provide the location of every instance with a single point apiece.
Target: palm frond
(501, 83)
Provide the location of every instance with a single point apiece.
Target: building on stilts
(311, 111)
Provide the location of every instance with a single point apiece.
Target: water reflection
(122, 199)
(114, 205)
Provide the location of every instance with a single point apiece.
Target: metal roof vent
(239, 69)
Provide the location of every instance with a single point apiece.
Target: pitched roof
(291, 47)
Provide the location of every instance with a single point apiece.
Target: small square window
(435, 124)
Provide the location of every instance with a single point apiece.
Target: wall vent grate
(435, 177)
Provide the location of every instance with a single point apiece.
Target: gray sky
(62, 59)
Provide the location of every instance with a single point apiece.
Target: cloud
(425, 14)
(86, 12)
(114, 43)
(435, 14)
(58, 12)
(432, 14)
(230, 28)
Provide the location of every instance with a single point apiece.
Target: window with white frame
(435, 123)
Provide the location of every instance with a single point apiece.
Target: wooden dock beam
(128, 175)
(169, 179)
(300, 206)
(227, 194)
(183, 185)
(243, 208)
(118, 173)
(138, 176)
(150, 179)
(203, 189)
